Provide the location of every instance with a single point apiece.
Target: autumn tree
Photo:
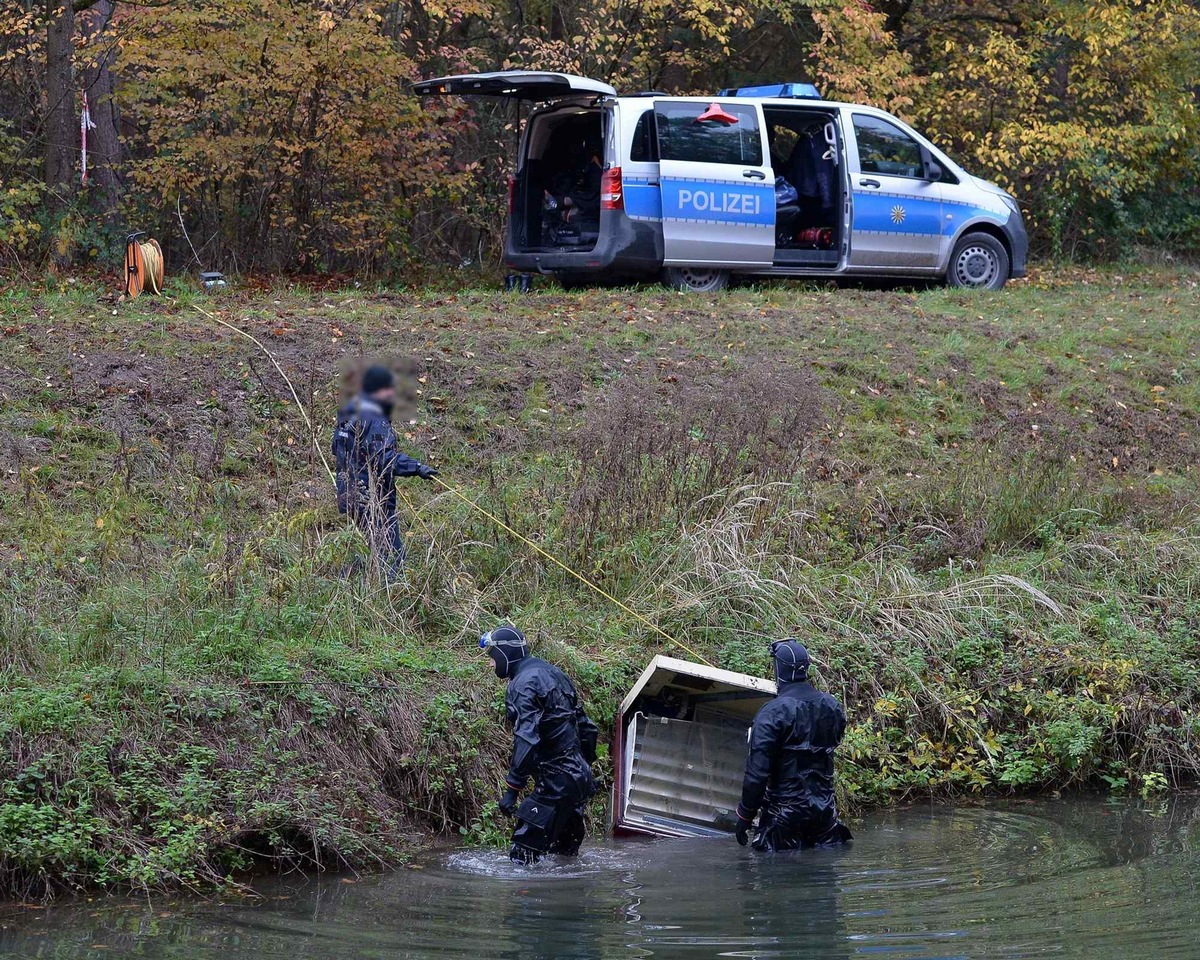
(280, 133)
(42, 75)
(283, 132)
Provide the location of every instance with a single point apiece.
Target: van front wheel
(696, 279)
(979, 261)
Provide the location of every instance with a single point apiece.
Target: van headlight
(1011, 203)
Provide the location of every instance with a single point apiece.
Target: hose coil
(143, 266)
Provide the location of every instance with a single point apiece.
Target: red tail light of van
(611, 195)
(512, 194)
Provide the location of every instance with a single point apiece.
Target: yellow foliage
(858, 60)
(300, 137)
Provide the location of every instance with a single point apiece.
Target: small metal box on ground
(679, 749)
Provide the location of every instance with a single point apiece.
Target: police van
(768, 181)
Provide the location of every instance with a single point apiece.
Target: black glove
(744, 824)
(508, 802)
(426, 472)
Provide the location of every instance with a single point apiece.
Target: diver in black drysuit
(553, 741)
(789, 772)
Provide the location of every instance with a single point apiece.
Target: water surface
(1073, 878)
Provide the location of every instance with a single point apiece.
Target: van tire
(696, 279)
(979, 262)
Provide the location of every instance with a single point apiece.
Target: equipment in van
(817, 238)
(687, 188)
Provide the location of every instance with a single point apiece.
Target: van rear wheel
(696, 279)
(979, 261)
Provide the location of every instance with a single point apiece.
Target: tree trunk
(896, 11)
(104, 143)
(61, 129)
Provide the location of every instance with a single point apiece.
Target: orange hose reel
(143, 266)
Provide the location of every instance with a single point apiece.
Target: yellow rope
(578, 576)
(462, 496)
(154, 266)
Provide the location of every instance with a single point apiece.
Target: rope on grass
(472, 503)
(576, 574)
(295, 396)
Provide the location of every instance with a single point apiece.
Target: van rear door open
(536, 85)
(718, 191)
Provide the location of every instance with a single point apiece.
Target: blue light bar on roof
(795, 91)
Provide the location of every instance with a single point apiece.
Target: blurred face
(386, 395)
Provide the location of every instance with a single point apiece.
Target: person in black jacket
(368, 463)
(789, 771)
(553, 741)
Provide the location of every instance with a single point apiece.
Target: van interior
(682, 748)
(556, 196)
(809, 197)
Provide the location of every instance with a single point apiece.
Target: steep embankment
(980, 511)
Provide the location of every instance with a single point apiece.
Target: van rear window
(682, 135)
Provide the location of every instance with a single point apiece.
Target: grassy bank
(980, 512)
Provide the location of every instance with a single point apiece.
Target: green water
(1070, 878)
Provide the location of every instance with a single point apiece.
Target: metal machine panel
(684, 777)
(664, 671)
(680, 748)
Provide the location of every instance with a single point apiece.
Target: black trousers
(383, 533)
(790, 829)
(549, 820)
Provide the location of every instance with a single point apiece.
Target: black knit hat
(377, 378)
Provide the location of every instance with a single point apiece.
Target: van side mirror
(933, 171)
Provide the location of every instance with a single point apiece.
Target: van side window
(682, 135)
(886, 149)
(644, 148)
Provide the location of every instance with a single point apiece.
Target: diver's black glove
(508, 802)
(426, 472)
(745, 821)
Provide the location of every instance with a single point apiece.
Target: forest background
(279, 136)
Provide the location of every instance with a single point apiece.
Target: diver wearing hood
(790, 765)
(553, 741)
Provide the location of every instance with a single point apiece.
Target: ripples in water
(1079, 878)
(594, 860)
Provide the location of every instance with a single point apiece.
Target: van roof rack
(786, 91)
(647, 93)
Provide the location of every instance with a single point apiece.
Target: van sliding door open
(718, 191)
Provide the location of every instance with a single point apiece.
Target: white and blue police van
(767, 181)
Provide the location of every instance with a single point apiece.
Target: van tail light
(611, 195)
(512, 194)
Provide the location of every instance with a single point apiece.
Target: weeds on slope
(185, 628)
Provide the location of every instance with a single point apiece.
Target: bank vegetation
(978, 511)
